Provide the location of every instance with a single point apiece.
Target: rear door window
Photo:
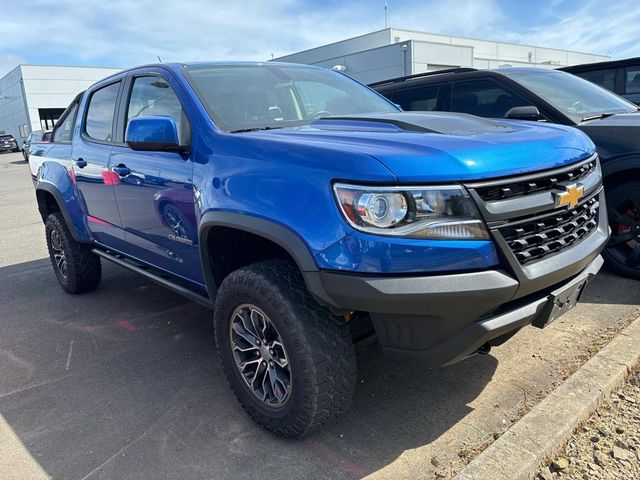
(100, 113)
(418, 99)
(632, 75)
(485, 97)
(604, 78)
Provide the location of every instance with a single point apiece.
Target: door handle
(81, 163)
(121, 170)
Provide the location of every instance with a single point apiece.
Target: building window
(24, 131)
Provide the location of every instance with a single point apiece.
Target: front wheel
(290, 362)
(623, 250)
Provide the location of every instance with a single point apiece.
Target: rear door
(90, 160)
(155, 189)
(485, 97)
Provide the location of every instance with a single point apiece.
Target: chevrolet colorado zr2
(307, 210)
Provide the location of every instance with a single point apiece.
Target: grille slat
(535, 238)
(521, 187)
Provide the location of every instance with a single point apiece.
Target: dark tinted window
(418, 99)
(102, 106)
(485, 98)
(64, 130)
(604, 78)
(633, 79)
(153, 96)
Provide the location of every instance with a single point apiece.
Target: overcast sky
(122, 33)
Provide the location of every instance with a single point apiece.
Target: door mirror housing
(524, 113)
(153, 133)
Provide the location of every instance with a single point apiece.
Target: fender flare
(276, 233)
(45, 186)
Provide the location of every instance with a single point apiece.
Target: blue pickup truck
(308, 211)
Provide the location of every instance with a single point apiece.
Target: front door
(155, 189)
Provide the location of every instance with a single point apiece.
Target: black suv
(619, 76)
(546, 95)
(8, 143)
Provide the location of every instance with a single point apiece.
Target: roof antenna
(159, 59)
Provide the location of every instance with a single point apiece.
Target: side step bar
(155, 277)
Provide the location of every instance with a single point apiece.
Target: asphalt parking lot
(124, 382)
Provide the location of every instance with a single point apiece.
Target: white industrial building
(32, 97)
(394, 52)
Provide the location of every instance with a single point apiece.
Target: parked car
(553, 97)
(619, 76)
(35, 136)
(8, 143)
(302, 206)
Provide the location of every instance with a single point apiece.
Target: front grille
(519, 187)
(536, 237)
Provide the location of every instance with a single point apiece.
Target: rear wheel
(623, 250)
(77, 269)
(290, 362)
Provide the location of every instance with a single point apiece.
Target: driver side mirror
(524, 113)
(153, 133)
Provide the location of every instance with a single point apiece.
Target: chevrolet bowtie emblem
(570, 197)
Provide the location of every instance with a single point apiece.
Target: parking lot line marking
(126, 324)
(327, 453)
(69, 355)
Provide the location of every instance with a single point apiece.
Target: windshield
(576, 98)
(246, 97)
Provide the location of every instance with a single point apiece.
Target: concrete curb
(520, 452)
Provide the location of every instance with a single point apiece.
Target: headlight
(445, 212)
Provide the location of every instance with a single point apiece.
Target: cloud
(590, 26)
(124, 33)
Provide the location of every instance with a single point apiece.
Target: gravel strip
(607, 446)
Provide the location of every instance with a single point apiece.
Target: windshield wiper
(254, 129)
(597, 116)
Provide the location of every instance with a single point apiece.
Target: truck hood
(614, 136)
(438, 146)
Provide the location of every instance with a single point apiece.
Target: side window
(604, 78)
(485, 98)
(632, 79)
(418, 99)
(102, 106)
(64, 129)
(153, 96)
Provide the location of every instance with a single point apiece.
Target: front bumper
(440, 320)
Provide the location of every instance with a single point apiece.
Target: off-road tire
(625, 196)
(83, 269)
(318, 344)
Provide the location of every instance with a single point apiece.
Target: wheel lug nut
(271, 351)
(257, 342)
(271, 363)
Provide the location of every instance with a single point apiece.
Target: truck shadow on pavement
(124, 382)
